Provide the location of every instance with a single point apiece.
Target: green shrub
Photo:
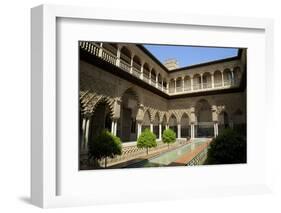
(227, 148)
(146, 140)
(104, 145)
(169, 136)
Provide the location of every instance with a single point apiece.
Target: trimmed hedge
(147, 139)
(169, 136)
(228, 147)
(104, 145)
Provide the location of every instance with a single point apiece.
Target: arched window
(164, 84)
(156, 123)
(196, 82)
(100, 120)
(126, 129)
(207, 80)
(237, 75)
(146, 121)
(185, 132)
(125, 59)
(172, 86)
(179, 84)
(173, 124)
(227, 77)
(205, 126)
(159, 81)
(187, 83)
(146, 72)
(153, 77)
(217, 79)
(136, 66)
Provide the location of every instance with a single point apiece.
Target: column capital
(119, 46)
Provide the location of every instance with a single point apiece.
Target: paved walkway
(190, 155)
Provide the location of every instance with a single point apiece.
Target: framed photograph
(130, 106)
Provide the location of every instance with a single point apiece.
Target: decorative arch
(146, 72)
(185, 125)
(172, 86)
(153, 76)
(164, 84)
(172, 122)
(227, 78)
(156, 123)
(136, 65)
(129, 109)
(134, 91)
(178, 84)
(146, 120)
(187, 83)
(196, 82)
(203, 111)
(101, 118)
(107, 101)
(125, 54)
(207, 80)
(237, 75)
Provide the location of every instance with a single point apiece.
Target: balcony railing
(136, 72)
(125, 66)
(109, 56)
(146, 78)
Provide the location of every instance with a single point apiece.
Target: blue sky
(189, 55)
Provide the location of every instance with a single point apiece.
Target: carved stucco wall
(97, 85)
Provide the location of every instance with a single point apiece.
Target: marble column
(141, 75)
(192, 131)
(115, 127)
(139, 129)
(132, 64)
(160, 131)
(201, 77)
(222, 79)
(156, 80)
(183, 84)
(179, 131)
(232, 77)
(151, 127)
(83, 134)
(213, 81)
(118, 56)
(100, 50)
(87, 134)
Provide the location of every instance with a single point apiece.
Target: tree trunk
(168, 146)
(147, 151)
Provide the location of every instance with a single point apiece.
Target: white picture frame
(44, 149)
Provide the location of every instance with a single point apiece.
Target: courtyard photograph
(155, 105)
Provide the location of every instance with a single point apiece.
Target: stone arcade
(125, 89)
